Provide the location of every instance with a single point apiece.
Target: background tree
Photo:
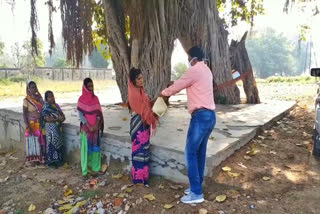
(141, 33)
(60, 63)
(97, 60)
(1, 48)
(16, 55)
(241, 63)
(30, 61)
(58, 55)
(3, 63)
(271, 53)
(23, 58)
(179, 69)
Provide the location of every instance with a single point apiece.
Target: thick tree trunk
(153, 42)
(115, 25)
(150, 46)
(240, 61)
(201, 25)
(154, 25)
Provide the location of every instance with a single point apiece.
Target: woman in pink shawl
(91, 127)
(142, 122)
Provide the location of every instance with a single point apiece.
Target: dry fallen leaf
(104, 168)
(226, 169)
(128, 190)
(4, 180)
(161, 186)
(221, 198)
(65, 166)
(65, 207)
(266, 178)
(234, 193)
(93, 182)
(233, 174)
(203, 211)
(118, 202)
(61, 202)
(32, 208)
(243, 166)
(168, 206)
(150, 197)
(176, 187)
(117, 176)
(68, 192)
(246, 157)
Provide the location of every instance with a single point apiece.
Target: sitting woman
(91, 127)
(51, 119)
(35, 142)
(142, 122)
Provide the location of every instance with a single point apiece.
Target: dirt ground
(274, 173)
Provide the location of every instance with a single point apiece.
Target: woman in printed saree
(35, 142)
(51, 119)
(143, 121)
(91, 127)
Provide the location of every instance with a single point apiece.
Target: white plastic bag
(159, 107)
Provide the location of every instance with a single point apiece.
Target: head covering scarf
(53, 110)
(89, 105)
(140, 103)
(35, 99)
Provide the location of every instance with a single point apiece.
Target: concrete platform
(236, 126)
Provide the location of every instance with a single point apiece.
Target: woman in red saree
(142, 122)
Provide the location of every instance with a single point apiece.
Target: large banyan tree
(141, 34)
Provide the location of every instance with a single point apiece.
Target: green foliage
(92, 193)
(19, 78)
(272, 54)
(304, 31)
(1, 48)
(99, 32)
(22, 57)
(296, 79)
(97, 60)
(239, 10)
(179, 69)
(33, 60)
(58, 57)
(60, 63)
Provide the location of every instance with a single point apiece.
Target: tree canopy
(1, 48)
(273, 54)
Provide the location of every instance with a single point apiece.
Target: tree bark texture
(201, 25)
(154, 25)
(150, 45)
(240, 62)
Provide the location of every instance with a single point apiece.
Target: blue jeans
(200, 128)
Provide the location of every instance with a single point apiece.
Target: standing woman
(91, 126)
(51, 119)
(35, 143)
(142, 122)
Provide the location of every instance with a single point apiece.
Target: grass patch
(92, 193)
(16, 87)
(295, 80)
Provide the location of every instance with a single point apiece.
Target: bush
(296, 79)
(18, 79)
